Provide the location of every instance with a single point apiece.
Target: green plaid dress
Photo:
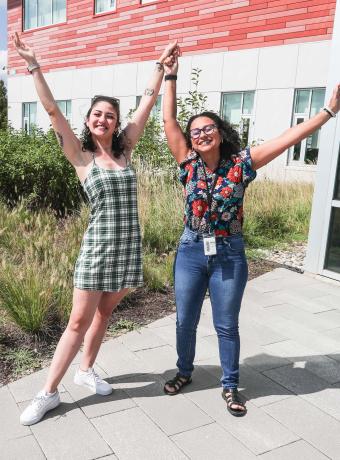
(110, 255)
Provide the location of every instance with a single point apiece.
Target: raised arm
(266, 152)
(135, 127)
(174, 134)
(66, 137)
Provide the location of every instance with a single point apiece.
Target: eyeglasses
(207, 129)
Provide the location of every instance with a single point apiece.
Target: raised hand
(334, 102)
(171, 64)
(25, 51)
(171, 49)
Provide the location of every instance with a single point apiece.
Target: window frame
(24, 117)
(244, 116)
(109, 11)
(68, 104)
(24, 29)
(156, 109)
(303, 117)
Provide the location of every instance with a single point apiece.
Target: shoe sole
(36, 420)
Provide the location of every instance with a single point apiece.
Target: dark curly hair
(231, 142)
(119, 142)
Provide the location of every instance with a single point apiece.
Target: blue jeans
(225, 275)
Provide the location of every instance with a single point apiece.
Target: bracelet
(170, 77)
(32, 67)
(329, 111)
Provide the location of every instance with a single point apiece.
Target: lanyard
(210, 191)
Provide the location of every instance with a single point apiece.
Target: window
(237, 108)
(307, 103)
(104, 5)
(65, 107)
(38, 13)
(156, 109)
(29, 115)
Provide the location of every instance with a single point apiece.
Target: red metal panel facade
(136, 32)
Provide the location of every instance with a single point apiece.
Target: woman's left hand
(334, 102)
(171, 49)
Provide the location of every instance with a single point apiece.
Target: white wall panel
(125, 79)
(313, 64)
(102, 81)
(211, 75)
(240, 70)
(81, 83)
(15, 114)
(277, 67)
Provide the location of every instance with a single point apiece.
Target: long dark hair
(231, 143)
(119, 142)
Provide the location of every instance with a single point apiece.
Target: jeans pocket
(234, 246)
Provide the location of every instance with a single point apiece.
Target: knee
(227, 331)
(78, 324)
(104, 315)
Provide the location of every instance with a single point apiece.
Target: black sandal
(177, 383)
(232, 397)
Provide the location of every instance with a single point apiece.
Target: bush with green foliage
(3, 105)
(33, 168)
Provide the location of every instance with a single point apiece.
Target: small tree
(192, 104)
(3, 105)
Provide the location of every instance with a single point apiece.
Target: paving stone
(159, 360)
(255, 356)
(312, 305)
(173, 414)
(117, 360)
(135, 436)
(166, 321)
(211, 441)
(310, 423)
(27, 387)
(257, 431)
(313, 321)
(295, 450)
(96, 405)
(331, 301)
(297, 379)
(259, 389)
(66, 433)
(259, 333)
(9, 418)
(17, 449)
(167, 334)
(326, 367)
(327, 400)
(141, 339)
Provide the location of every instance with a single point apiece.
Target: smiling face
(204, 134)
(102, 120)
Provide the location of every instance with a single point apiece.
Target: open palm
(23, 50)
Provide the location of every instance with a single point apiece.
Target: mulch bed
(140, 308)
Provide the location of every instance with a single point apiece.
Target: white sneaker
(41, 404)
(90, 379)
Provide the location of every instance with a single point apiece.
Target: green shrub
(33, 168)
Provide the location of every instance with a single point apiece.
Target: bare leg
(84, 306)
(95, 334)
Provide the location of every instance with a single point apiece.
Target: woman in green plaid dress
(109, 263)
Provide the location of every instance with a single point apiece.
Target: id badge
(209, 245)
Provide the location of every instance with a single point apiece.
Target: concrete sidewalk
(290, 375)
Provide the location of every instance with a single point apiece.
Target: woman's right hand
(25, 51)
(171, 63)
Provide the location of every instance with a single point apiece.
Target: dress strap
(126, 159)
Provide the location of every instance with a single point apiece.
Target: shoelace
(97, 379)
(39, 400)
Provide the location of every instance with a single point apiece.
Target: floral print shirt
(234, 175)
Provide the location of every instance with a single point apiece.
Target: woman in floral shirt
(210, 255)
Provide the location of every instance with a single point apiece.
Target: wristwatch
(32, 67)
